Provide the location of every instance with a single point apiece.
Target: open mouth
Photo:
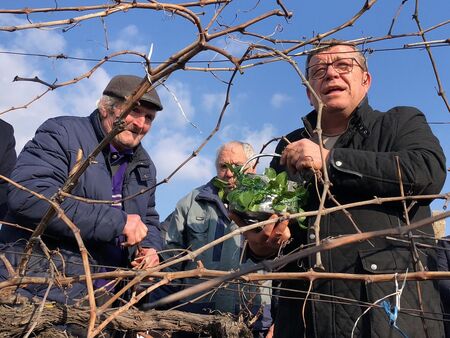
(333, 90)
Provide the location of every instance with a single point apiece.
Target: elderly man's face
(340, 93)
(138, 123)
(233, 154)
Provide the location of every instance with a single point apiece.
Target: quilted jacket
(361, 165)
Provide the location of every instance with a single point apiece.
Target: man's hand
(145, 258)
(303, 154)
(134, 230)
(268, 241)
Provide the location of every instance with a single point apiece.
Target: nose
(228, 173)
(139, 121)
(331, 72)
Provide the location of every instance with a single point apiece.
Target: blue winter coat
(44, 165)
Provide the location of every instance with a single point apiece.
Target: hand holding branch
(303, 154)
(135, 230)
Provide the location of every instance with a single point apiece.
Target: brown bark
(17, 317)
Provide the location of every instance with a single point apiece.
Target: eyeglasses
(225, 166)
(341, 66)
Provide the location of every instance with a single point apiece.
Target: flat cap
(124, 85)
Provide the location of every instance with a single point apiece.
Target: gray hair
(327, 44)
(246, 147)
(108, 103)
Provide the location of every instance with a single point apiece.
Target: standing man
(7, 161)
(200, 218)
(114, 235)
(444, 284)
(361, 148)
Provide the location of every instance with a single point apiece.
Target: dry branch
(16, 317)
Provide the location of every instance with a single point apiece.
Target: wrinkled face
(232, 154)
(340, 92)
(138, 123)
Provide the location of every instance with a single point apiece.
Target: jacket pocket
(388, 260)
(197, 228)
(399, 260)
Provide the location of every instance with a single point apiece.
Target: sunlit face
(231, 154)
(138, 123)
(340, 93)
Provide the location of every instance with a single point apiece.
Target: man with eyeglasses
(202, 217)
(364, 151)
(122, 233)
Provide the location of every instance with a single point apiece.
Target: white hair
(108, 103)
(246, 147)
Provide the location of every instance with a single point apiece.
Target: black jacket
(444, 284)
(362, 165)
(7, 161)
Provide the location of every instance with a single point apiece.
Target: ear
(102, 111)
(367, 80)
(310, 97)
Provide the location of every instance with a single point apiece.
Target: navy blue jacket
(7, 161)
(44, 166)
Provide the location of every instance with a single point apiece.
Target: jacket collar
(359, 120)
(209, 193)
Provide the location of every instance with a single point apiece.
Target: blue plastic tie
(392, 315)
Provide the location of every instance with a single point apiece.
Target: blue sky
(266, 101)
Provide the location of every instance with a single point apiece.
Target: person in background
(7, 161)
(118, 235)
(202, 217)
(361, 148)
(444, 284)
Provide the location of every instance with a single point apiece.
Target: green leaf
(254, 190)
(245, 199)
(281, 179)
(270, 173)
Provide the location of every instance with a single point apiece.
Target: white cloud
(45, 40)
(41, 41)
(172, 116)
(256, 137)
(278, 100)
(16, 94)
(125, 41)
(81, 97)
(171, 149)
(213, 102)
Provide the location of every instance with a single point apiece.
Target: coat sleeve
(174, 239)
(7, 161)
(153, 239)
(43, 167)
(404, 134)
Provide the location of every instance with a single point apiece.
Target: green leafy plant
(256, 195)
